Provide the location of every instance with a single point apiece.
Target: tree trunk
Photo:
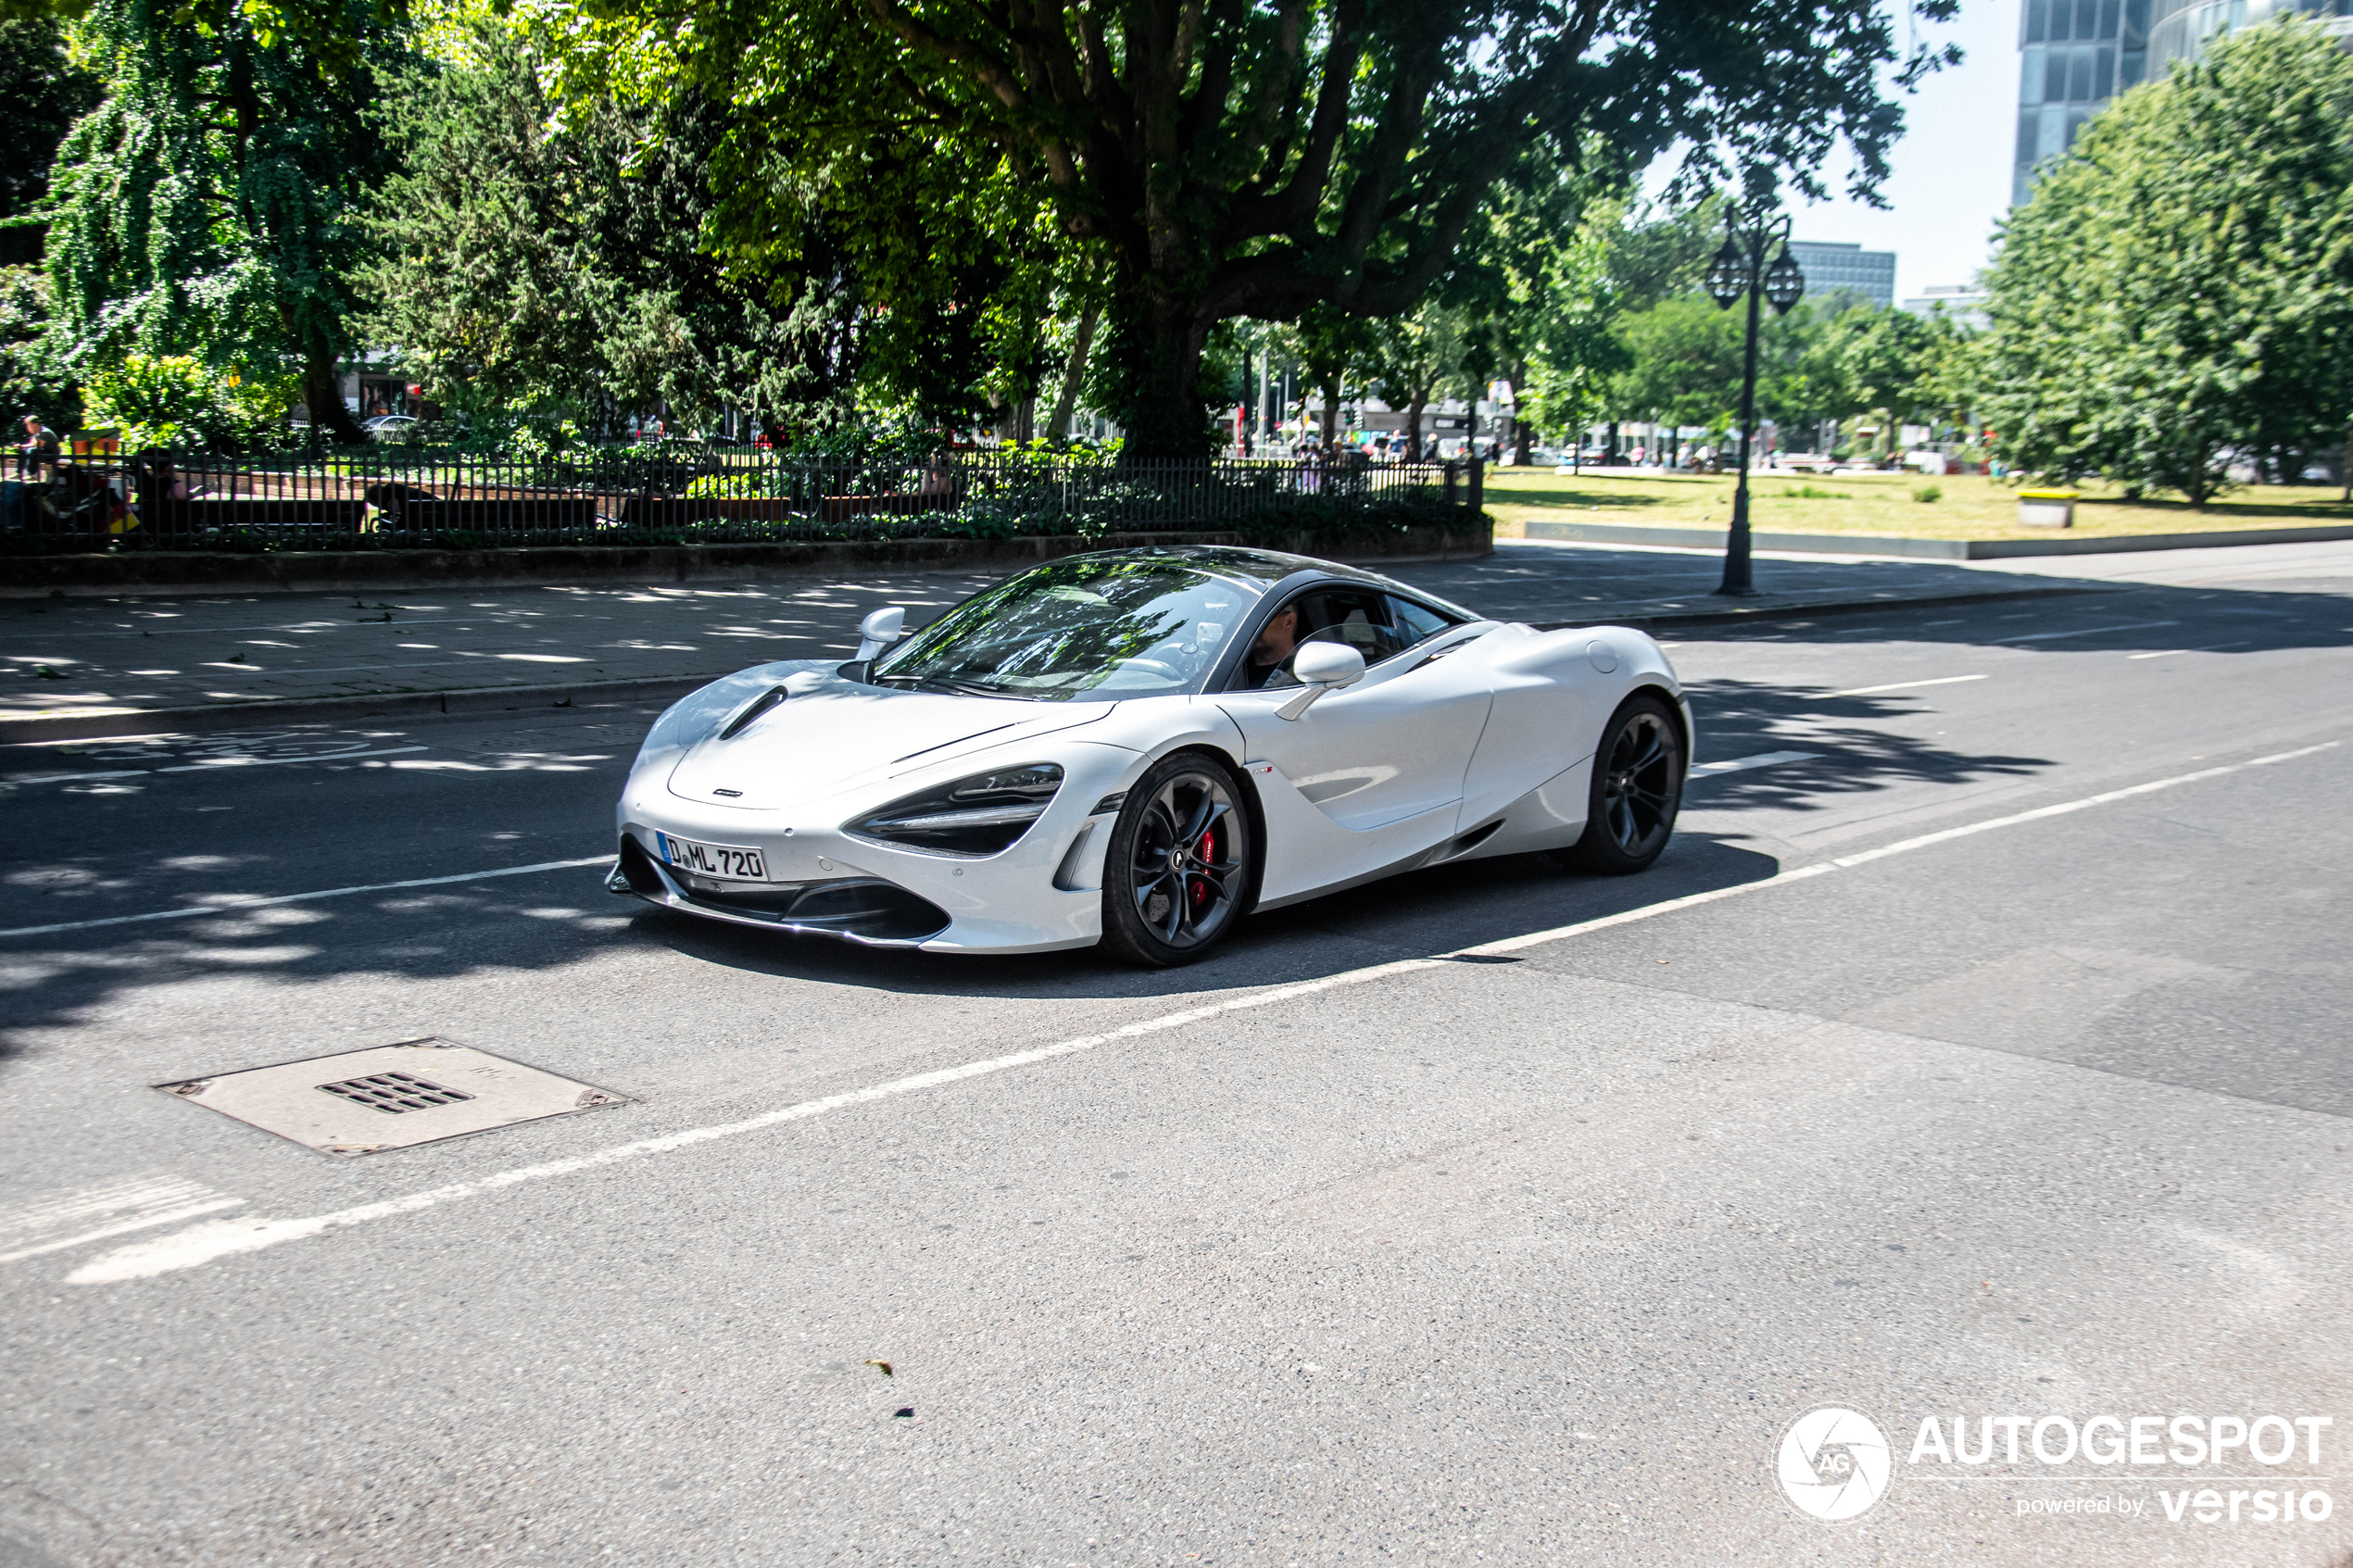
(323, 397)
(1158, 342)
(1413, 424)
(2347, 463)
(1331, 412)
(1523, 433)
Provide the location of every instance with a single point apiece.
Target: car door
(1370, 776)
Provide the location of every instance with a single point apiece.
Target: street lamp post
(1740, 268)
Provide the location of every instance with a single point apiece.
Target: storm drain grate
(391, 1097)
(395, 1093)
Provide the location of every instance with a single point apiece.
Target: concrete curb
(91, 725)
(1796, 609)
(1927, 549)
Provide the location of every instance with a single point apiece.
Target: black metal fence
(394, 499)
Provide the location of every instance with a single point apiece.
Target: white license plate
(729, 860)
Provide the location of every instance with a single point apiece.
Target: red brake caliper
(1204, 852)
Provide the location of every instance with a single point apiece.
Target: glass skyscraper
(1832, 267)
(2076, 55)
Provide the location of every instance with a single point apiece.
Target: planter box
(2046, 508)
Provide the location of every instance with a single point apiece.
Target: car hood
(833, 735)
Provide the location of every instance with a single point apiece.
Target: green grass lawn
(1967, 506)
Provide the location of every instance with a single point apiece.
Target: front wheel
(1178, 871)
(1637, 789)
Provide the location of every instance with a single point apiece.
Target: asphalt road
(1989, 1061)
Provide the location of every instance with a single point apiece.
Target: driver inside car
(1278, 640)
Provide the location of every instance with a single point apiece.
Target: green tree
(30, 380)
(1261, 156)
(1887, 363)
(1619, 260)
(209, 206)
(476, 277)
(1684, 362)
(2177, 291)
(538, 263)
(1412, 357)
(1337, 355)
(42, 93)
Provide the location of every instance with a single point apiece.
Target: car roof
(1268, 569)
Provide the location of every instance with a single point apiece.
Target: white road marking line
(1741, 764)
(231, 907)
(211, 763)
(76, 778)
(1907, 685)
(2065, 807)
(2086, 632)
(101, 1212)
(225, 1238)
(2211, 648)
(278, 761)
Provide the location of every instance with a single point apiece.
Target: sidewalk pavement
(76, 667)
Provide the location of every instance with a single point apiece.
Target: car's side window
(1416, 623)
(1363, 618)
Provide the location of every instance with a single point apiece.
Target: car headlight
(981, 815)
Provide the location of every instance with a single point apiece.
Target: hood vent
(753, 711)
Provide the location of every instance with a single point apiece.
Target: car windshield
(1076, 630)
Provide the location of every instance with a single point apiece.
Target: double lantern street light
(1740, 269)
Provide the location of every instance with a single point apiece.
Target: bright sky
(1951, 171)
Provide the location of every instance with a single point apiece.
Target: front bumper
(828, 883)
(866, 910)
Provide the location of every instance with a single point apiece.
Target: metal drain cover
(391, 1097)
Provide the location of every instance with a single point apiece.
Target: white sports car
(1140, 747)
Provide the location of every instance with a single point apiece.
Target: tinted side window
(1415, 622)
(1360, 617)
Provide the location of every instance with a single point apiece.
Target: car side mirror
(1320, 668)
(880, 629)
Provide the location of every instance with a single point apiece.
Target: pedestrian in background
(39, 448)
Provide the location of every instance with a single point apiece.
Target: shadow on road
(1745, 718)
(2275, 606)
(535, 929)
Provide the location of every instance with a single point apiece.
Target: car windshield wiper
(970, 688)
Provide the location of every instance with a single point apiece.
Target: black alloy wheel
(1637, 789)
(1179, 871)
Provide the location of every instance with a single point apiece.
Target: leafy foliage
(2178, 289)
(207, 207)
(42, 93)
(1247, 159)
(178, 401)
(29, 381)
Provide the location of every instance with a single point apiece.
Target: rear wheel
(1637, 789)
(1179, 871)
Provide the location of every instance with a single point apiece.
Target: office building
(2076, 55)
(2073, 56)
(1832, 268)
(1965, 303)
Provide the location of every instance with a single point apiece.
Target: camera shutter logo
(1833, 1463)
